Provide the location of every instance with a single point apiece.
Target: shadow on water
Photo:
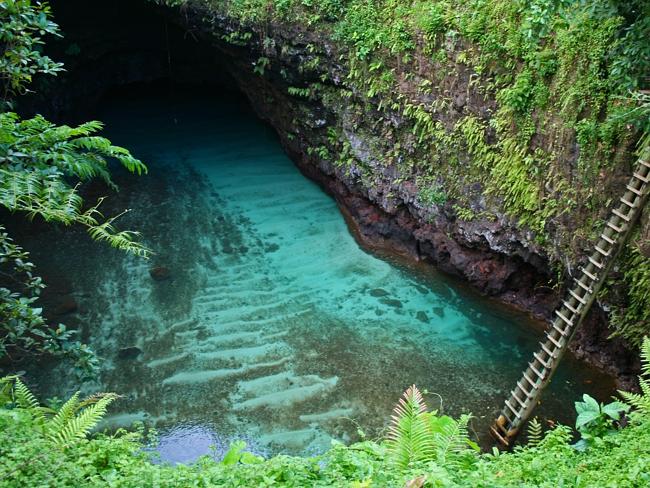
(259, 317)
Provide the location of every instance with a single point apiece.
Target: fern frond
(645, 357)
(534, 432)
(78, 427)
(6, 389)
(641, 402)
(25, 399)
(94, 398)
(448, 438)
(409, 437)
(64, 414)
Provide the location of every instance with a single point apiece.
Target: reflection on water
(260, 317)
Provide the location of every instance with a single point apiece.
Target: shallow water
(267, 321)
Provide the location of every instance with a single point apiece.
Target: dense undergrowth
(552, 107)
(42, 446)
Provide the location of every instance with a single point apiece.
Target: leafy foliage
(596, 420)
(23, 24)
(417, 435)
(36, 160)
(39, 166)
(641, 401)
(31, 454)
(71, 423)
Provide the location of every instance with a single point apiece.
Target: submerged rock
(378, 292)
(160, 273)
(422, 317)
(129, 353)
(391, 302)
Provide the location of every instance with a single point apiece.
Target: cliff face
(405, 145)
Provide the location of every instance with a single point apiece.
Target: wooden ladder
(573, 310)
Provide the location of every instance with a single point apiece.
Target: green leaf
(234, 454)
(591, 403)
(614, 409)
(585, 418)
(250, 458)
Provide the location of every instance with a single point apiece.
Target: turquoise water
(267, 321)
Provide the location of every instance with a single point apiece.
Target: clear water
(271, 323)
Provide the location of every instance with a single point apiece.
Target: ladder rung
(561, 315)
(521, 403)
(644, 163)
(561, 331)
(507, 418)
(629, 204)
(584, 287)
(534, 369)
(602, 251)
(554, 341)
(596, 263)
(568, 305)
(592, 276)
(524, 390)
(642, 178)
(532, 383)
(513, 410)
(634, 190)
(577, 297)
(548, 351)
(614, 227)
(621, 215)
(542, 362)
(608, 239)
(500, 438)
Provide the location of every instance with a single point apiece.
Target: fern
(416, 435)
(65, 413)
(37, 159)
(452, 441)
(534, 432)
(80, 425)
(70, 423)
(25, 399)
(410, 436)
(641, 402)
